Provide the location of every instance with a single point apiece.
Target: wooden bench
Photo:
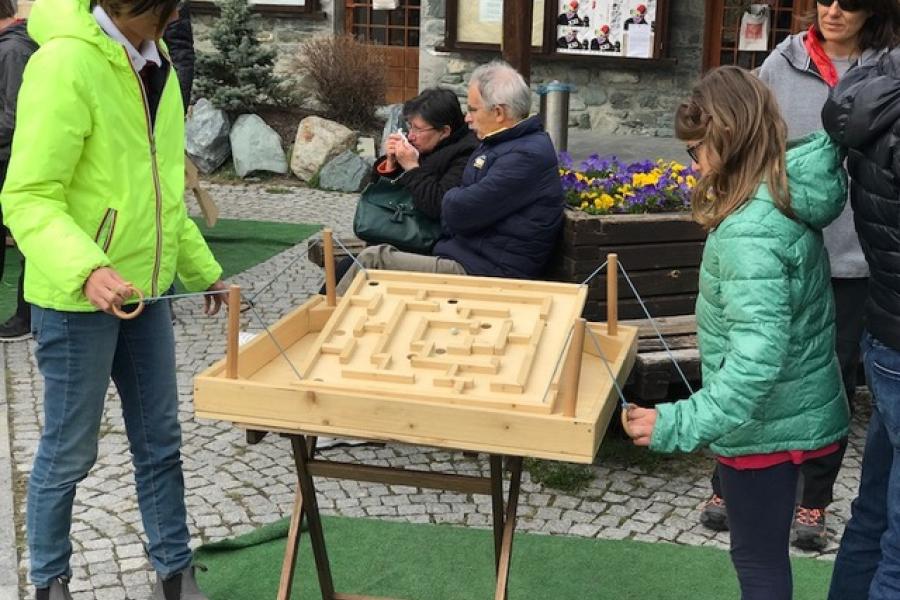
(654, 377)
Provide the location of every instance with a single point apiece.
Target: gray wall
(284, 32)
(608, 99)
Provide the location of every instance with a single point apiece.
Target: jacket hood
(816, 179)
(793, 48)
(866, 103)
(55, 19)
(16, 33)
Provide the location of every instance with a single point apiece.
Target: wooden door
(723, 21)
(395, 35)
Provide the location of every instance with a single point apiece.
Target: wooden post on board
(234, 328)
(517, 19)
(330, 284)
(572, 369)
(612, 294)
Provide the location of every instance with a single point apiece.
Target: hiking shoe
(713, 515)
(58, 590)
(181, 586)
(15, 329)
(809, 531)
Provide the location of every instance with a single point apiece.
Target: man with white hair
(505, 218)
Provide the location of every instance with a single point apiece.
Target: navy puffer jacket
(504, 220)
(863, 115)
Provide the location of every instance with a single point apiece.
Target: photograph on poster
(612, 27)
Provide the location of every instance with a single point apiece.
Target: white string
(656, 329)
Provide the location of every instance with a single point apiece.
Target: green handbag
(386, 214)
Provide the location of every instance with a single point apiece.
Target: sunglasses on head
(847, 5)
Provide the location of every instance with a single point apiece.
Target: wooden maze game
(441, 360)
(500, 366)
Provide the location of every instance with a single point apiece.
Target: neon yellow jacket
(90, 183)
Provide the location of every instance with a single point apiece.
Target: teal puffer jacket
(765, 324)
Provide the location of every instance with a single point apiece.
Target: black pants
(23, 309)
(760, 505)
(819, 474)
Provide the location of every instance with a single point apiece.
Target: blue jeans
(868, 561)
(77, 353)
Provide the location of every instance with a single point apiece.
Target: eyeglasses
(692, 151)
(417, 130)
(847, 5)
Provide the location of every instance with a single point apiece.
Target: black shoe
(58, 590)
(181, 586)
(15, 329)
(713, 516)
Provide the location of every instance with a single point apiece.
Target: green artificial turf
(240, 245)
(439, 562)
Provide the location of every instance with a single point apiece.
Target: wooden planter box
(660, 252)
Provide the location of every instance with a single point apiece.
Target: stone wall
(285, 33)
(608, 99)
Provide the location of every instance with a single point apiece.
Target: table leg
(311, 508)
(290, 551)
(496, 462)
(512, 504)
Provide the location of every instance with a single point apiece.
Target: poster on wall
(754, 34)
(607, 27)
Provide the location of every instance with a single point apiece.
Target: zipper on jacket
(106, 229)
(151, 137)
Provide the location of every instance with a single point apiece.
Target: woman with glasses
(430, 158)
(95, 199)
(801, 72)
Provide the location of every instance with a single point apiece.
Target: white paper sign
(754, 34)
(639, 41)
(385, 4)
(490, 11)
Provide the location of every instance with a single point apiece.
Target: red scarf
(820, 59)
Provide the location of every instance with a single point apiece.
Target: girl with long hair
(772, 395)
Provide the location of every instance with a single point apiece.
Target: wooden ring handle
(127, 316)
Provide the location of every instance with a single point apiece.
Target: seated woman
(432, 158)
(429, 160)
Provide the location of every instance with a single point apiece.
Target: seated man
(504, 219)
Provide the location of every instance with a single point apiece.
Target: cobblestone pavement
(233, 488)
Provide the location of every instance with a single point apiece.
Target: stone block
(348, 172)
(206, 136)
(318, 140)
(256, 147)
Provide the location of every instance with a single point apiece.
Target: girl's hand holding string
(639, 424)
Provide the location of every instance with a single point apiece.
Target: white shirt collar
(148, 51)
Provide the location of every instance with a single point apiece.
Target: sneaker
(181, 586)
(809, 531)
(58, 590)
(15, 329)
(713, 516)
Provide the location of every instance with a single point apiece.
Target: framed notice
(597, 30)
(480, 22)
(603, 27)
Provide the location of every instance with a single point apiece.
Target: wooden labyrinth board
(472, 363)
(462, 340)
